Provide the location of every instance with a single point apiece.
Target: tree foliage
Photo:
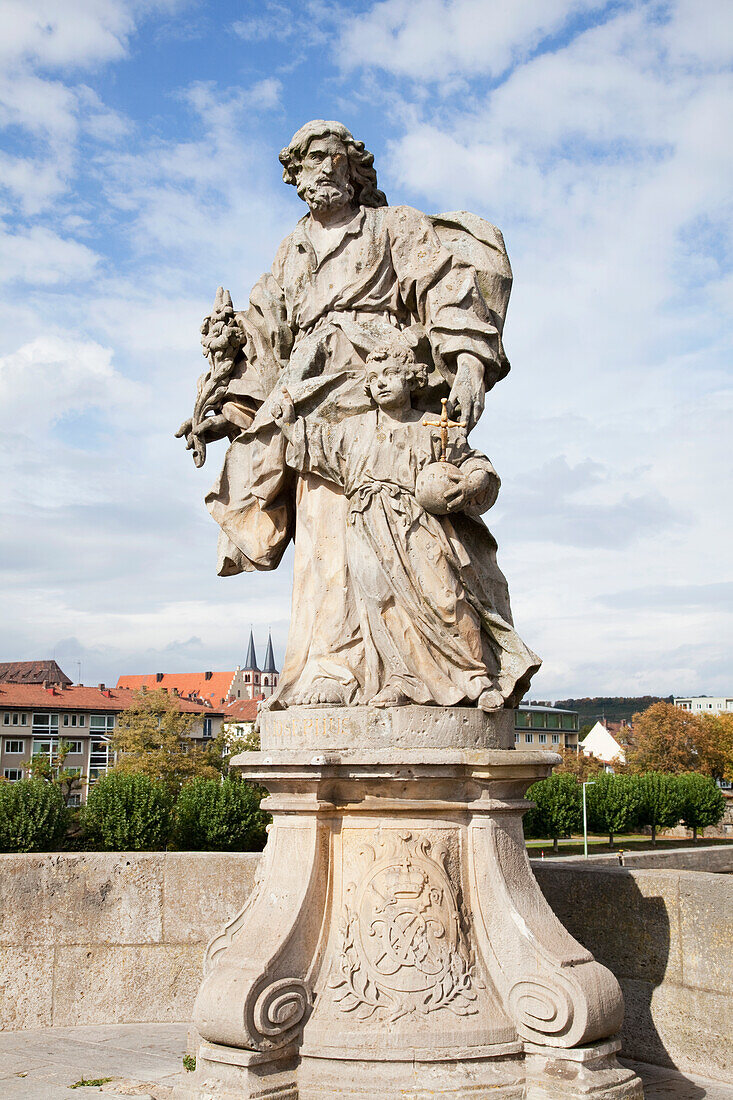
(702, 803)
(666, 738)
(557, 810)
(614, 802)
(578, 765)
(128, 813)
(718, 745)
(152, 738)
(660, 801)
(224, 816)
(52, 769)
(33, 816)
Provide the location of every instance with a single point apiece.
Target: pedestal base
(396, 943)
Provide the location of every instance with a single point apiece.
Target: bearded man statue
(353, 271)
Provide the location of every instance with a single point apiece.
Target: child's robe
(426, 587)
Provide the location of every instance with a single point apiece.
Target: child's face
(388, 384)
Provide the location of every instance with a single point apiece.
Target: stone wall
(94, 938)
(717, 858)
(667, 936)
(118, 938)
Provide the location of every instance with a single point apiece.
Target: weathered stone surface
(26, 986)
(85, 897)
(395, 728)
(706, 931)
(125, 984)
(646, 943)
(201, 889)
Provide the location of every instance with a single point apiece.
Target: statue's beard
(325, 194)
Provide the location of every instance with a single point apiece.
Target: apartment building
(34, 718)
(705, 704)
(545, 727)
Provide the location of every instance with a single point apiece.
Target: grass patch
(83, 1082)
(633, 842)
(189, 1063)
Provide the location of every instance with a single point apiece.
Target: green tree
(52, 769)
(613, 802)
(128, 813)
(702, 801)
(223, 816)
(660, 801)
(153, 738)
(557, 810)
(32, 816)
(579, 765)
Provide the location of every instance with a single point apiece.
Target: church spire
(250, 663)
(269, 665)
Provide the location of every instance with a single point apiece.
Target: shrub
(557, 807)
(32, 816)
(702, 802)
(223, 816)
(660, 800)
(128, 813)
(613, 804)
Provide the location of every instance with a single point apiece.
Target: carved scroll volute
(553, 989)
(256, 994)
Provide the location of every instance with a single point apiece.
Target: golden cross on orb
(444, 424)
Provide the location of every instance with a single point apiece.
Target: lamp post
(588, 783)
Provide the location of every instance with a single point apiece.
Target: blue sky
(138, 170)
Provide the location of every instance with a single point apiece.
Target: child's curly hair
(397, 349)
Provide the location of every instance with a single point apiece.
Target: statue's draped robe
(427, 614)
(310, 324)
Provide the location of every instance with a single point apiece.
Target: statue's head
(392, 372)
(330, 168)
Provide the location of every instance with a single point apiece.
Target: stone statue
(354, 273)
(396, 942)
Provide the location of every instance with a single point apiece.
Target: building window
(45, 722)
(207, 727)
(553, 721)
(75, 747)
(74, 800)
(556, 738)
(569, 721)
(529, 738)
(516, 738)
(43, 746)
(14, 747)
(98, 757)
(521, 719)
(543, 738)
(538, 720)
(71, 720)
(6, 719)
(99, 722)
(15, 719)
(264, 681)
(13, 774)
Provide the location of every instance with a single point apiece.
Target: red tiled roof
(242, 710)
(32, 672)
(215, 689)
(77, 697)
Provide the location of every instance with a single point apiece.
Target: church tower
(270, 674)
(251, 671)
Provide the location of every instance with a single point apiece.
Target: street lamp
(588, 783)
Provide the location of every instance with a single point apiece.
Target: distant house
(32, 672)
(544, 726)
(705, 704)
(35, 718)
(601, 744)
(239, 717)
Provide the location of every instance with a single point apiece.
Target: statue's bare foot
(321, 691)
(389, 696)
(491, 700)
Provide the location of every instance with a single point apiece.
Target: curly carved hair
(361, 161)
(399, 351)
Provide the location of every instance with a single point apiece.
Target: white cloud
(42, 257)
(437, 39)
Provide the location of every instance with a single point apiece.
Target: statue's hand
(455, 494)
(468, 390)
(282, 410)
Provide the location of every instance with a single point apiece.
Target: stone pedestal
(396, 943)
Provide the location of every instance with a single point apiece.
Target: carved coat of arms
(401, 946)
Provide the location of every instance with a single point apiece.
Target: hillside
(613, 707)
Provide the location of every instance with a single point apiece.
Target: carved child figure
(425, 584)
